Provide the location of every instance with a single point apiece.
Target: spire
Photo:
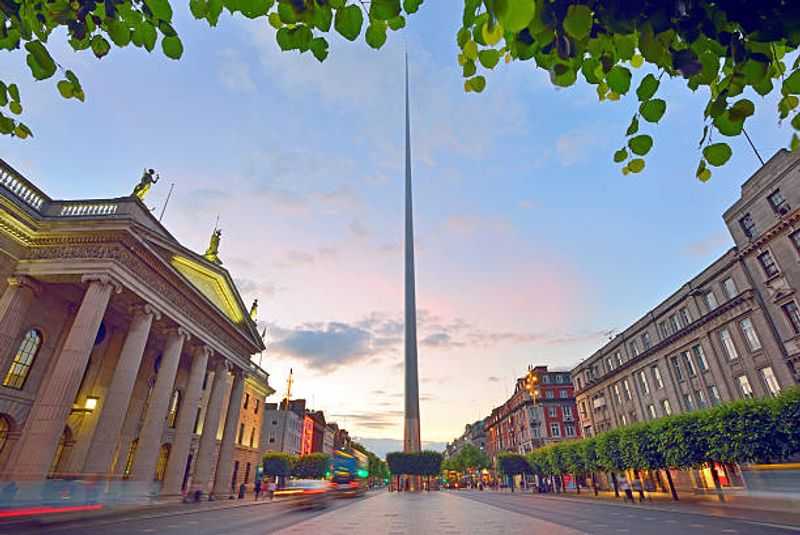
(411, 434)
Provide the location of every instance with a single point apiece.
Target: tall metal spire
(411, 434)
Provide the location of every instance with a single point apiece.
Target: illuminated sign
(307, 443)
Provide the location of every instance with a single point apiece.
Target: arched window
(174, 405)
(23, 360)
(163, 457)
(5, 429)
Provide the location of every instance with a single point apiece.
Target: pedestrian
(649, 488)
(626, 488)
(637, 486)
(271, 490)
(257, 488)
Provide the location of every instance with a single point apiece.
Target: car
(311, 493)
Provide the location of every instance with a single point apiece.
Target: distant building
(474, 434)
(284, 431)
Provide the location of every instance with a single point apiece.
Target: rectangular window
(635, 348)
(677, 367)
(547, 379)
(552, 411)
(651, 412)
(665, 407)
(564, 393)
(711, 301)
(768, 264)
(549, 394)
(792, 315)
(673, 322)
(618, 358)
(748, 226)
(255, 411)
(626, 389)
(744, 386)
(569, 429)
(770, 381)
(559, 379)
(246, 399)
(241, 434)
(686, 319)
(662, 328)
(687, 362)
(578, 383)
(713, 395)
(196, 428)
(727, 343)
(643, 386)
(646, 340)
(795, 237)
(750, 334)
(778, 202)
(700, 357)
(252, 435)
(729, 288)
(657, 382)
(700, 397)
(623, 420)
(688, 402)
(609, 365)
(567, 410)
(617, 395)
(555, 430)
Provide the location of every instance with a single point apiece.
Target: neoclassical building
(123, 354)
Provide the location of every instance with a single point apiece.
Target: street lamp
(531, 380)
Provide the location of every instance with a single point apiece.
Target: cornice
(767, 236)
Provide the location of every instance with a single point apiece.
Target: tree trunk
(594, 483)
(616, 487)
(717, 486)
(564, 483)
(671, 485)
(578, 484)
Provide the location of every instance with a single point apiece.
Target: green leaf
(621, 155)
(65, 88)
(319, 47)
(717, 154)
(743, 109)
(794, 143)
(15, 107)
(578, 22)
(22, 131)
(119, 33)
(384, 9)
(491, 33)
(489, 58)
(199, 8)
(640, 144)
(791, 86)
(13, 91)
(172, 47)
(39, 60)
(728, 127)
(348, 21)
(376, 34)
(471, 50)
(653, 110)
(636, 61)
(562, 75)
(514, 15)
(478, 83)
(144, 35)
(634, 127)
(397, 23)
(275, 20)
(411, 6)
(787, 104)
(619, 79)
(647, 88)
(703, 172)
(160, 9)
(100, 46)
(636, 165)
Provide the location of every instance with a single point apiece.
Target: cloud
(358, 229)
(470, 224)
(440, 339)
(576, 145)
(707, 245)
(233, 72)
(494, 379)
(296, 258)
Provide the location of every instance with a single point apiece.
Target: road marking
(697, 525)
(148, 530)
(729, 531)
(623, 530)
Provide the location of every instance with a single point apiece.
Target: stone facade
(284, 428)
(474, 434)
(122, 353)
(731, 332)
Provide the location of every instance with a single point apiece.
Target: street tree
(312, 466)
(729, 50)
(278, 465)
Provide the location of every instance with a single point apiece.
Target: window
(778, 203)
(555, 430)
(792, 315)
(5, 429)
(626, 389)
(583, 410)
(768, 264)
(196, 429)
(559, 379)
(569, 430)
(713, 395)
(246, 399)
(727, 343)
(255, 411)
(662, 327)
(651, 412)
(665, 407)
(770, 381)
(161, 464)
(241, 434)
(744, 386)
(646, 340)
(567, 410)
(700, 397)
(272, 438)
(618, 358)
(623, 420)
(174, 405)
(205, 380)
(673, 322)
(677, 367)
(700, 357)
(617, 396)
(711, 301)
(686, 319)
(634, 418)
(549, 394)
(659, 384)
(750, 334)
(635, 348)
(748, 226)
(729, 288)
(252, 435)
(609, 365)
(23, 360)
(795, 237)
(578, 383)
(547, 379)
(563, 393)
(643, 386)
(552, 411)
(687, 361)
(688, 402)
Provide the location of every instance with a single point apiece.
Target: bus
(349, 471)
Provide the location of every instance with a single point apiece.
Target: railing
(21, 188)
(88, 209)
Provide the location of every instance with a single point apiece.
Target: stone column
(183, 427)
(112, 415)
(208, 440)
(144, 463)
(221, 476)
(263, 437)
(14, 307)
(36, 447)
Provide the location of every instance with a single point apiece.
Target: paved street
(435, 513)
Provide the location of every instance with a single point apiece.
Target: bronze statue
(254, 309)
(144, 184)
(213, 247)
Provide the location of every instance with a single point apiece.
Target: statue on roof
(144, 184)
(213, 247)
(254, 309)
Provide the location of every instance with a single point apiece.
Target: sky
(531, 245)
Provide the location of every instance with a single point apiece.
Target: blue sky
(531, 243)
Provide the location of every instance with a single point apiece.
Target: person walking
(271, 490)
(626, 488)
(258, 488)
(637, 486)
